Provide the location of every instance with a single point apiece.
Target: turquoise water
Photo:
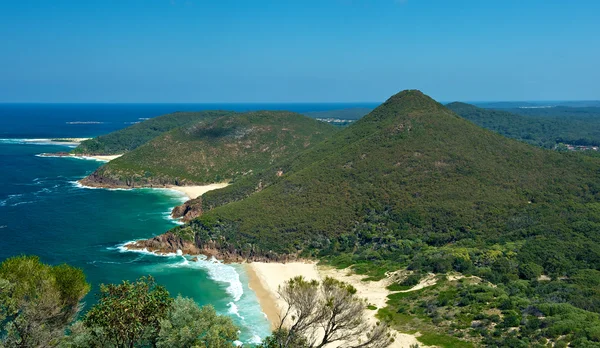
(44, 212)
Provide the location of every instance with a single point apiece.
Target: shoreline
(101, 158)
(196, 191)
(266, 298)
(191, 192)
(265, 278)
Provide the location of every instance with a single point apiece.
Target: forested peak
(406, 106)
(411, 99)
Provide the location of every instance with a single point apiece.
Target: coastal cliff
(188, 210)
(106, 178)
(172, 243)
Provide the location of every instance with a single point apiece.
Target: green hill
(414, 185)
(541, 127)
(214, 150)
(130, 138)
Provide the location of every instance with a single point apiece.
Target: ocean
(45, 212)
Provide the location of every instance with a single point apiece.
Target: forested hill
(414, 185)
(130, 138)
(411, 154)
(541, 127)
(213, 150)
(533, 130)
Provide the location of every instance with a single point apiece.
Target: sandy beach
(265, 279)
(106, 158)
(196, 191)
(102, 158)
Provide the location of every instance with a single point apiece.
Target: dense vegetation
(414, 185)
(37, 301)
(130, 138)
(545, 127)
(215, 150)
(542, 127)
(38, 304)
(520, 313)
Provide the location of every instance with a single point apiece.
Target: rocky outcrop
(165, 244)
(56, 154)
(171, 243)
(188, 210)
(96, 180)
(109, 179)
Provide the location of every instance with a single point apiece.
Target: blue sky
(297, 51)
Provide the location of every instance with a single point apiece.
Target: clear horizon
(358, 103)
(176, 51)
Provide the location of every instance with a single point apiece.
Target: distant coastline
(102, 158)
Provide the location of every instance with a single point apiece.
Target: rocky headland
(169, 243)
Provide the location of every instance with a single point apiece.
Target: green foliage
(215, 150)
(530, 270)
(546, 127)
(330, 307)
(132, 137)
(414, 185)
(439, 340)
(37, 301)
(130, 313)
(282, 337)
(187, 325)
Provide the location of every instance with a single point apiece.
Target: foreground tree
(38, 301)
(128, 314)
(188, 325)
(141, 314)
(320, 314)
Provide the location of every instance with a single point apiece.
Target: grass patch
(398, 287)
(440, 340)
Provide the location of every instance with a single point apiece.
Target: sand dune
(265, 279)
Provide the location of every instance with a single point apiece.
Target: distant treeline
(575, 124)
(545, 127)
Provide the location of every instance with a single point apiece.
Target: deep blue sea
(44, 212)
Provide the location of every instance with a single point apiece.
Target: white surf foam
(233, 309)
(20, 203)
(87, 158)
(255, 340)
(34, 141)
(242, 306)
(169, 192)
(219, 272)
(13, 200)
(123, 249)
(77, 184)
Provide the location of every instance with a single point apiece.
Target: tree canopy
(37, 301)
